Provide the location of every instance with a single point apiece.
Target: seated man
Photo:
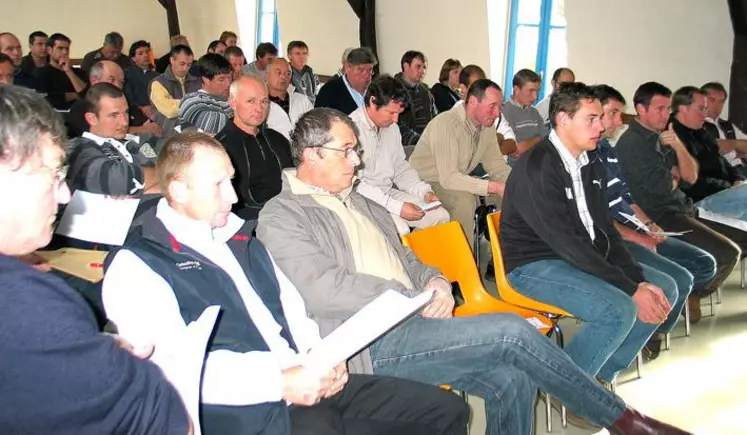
(11, 47)
(106, 159)
(341, 251)
(525, 121)
(731, 140)
(286, 105)
(60, 375)
(560, 247)
(345, 92)
(38, 56)
(111, 50)
(137, 80)
(560, 76)
(255, 379)
(58, 80)
(647, 154)
(420, 107)
(719, 187)
(208, 109)
(386, 176)
(167, 90)
(235, 57)
(685, 263)
(7, 70)
(451, 147)
(164, 61)
(303, 77)
(266, 52)
(257, 152)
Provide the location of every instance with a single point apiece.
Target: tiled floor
(697, 385)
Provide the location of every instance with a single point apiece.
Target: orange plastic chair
(445, 247)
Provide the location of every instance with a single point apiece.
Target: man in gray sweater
(342, 250)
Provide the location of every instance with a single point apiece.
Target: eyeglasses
(349, 152)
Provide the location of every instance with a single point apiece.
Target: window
(536, 40)
(267, 22)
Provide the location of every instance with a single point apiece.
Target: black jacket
(540, 222)
(444, 97)
(335, 94)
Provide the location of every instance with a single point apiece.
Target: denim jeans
(731, 202)
(611, 335)
(678, 273)
(499, 357)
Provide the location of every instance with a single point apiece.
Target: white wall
(625, 43)
(203, 21)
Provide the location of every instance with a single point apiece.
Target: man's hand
(442, 303)
(139, 352)
(656, 229)
(411, 212)
(340, 376)
(669, 137)
(65, 65)
(148, 112)
(36, 261)
(304, 387)
(646, 241)
(496, 187)
(653, 306)
(430, 197)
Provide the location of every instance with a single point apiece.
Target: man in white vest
(286, 105)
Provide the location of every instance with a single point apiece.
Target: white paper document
(641, 226)
(726, 220)
(97, 218)
(365, 326)
(425, 206)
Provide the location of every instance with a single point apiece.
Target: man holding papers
(191, 253)
(342, 251)
(59, 374)
(685, 263)
(386, 176)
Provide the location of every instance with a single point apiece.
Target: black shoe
(490, 271)
(652, 349)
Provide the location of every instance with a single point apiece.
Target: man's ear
(177, 191)
(91, 118)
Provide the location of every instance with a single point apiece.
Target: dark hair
(265, 48)
(52, 40)
(37, 34)
(568, 99)
(314, 128)
(480, 87)
(97, 92)
(213, 45)
(524, 76)
(233, 51)
(24, 116)
(446, 69)
(714, 86)
(115, 40)
(647, 91)
(227, 34)
(5, 58)
(605, 93)
(684, 96)
(296, 44)
(181, 48)
(409, 56)
(559, 71)
(384, 90)
(212, 64)
(138, 44)
(469, 71)
(361, 56)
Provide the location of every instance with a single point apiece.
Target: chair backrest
(505, 290)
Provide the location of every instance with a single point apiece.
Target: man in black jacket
(560, 246)
(345, 92)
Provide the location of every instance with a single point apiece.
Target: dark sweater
(55, 84)
(419, 110)
(445, 98)
(335, 94)
(540, 222)
(61, 376)
(258, 161)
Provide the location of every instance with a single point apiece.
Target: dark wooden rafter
(365, 10)
(172, 16)
(738, 81)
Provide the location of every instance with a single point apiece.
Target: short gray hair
(234, 89)
(361, 56)
(97, 71)
(314, 129)
(24, 117)
(114, 39)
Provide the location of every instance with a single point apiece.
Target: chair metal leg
(712, 304)
(639, 364)
(563, 416)
(687, 320)
(718, 296)
(558, 334)
(667, 340)
(548, 412)
(742, 266)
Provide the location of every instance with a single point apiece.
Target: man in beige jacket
(451, 147)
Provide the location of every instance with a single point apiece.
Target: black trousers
(725, 243)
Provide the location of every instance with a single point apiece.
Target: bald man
(286, 105)
(11, 46)
(258, 153)
(104, 71)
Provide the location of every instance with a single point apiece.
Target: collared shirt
(119, 146)
(732, 155)
(357, 96)
(573, 167)
(526, 122)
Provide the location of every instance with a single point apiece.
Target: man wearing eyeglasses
(257, 152)
(345, 92)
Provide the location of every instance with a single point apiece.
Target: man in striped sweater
(208, 109)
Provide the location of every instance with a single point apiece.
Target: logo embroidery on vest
(189, 265)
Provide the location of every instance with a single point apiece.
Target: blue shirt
(357, 96)
(618, 194)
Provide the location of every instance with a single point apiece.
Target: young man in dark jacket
(560, 246)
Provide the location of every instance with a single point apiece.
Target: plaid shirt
(573, 167)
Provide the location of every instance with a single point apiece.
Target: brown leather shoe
(693, 302)
(633, 422)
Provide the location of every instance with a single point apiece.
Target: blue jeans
(499, 357)
(611, 335)
(730, 202)
(700, 263)
(679, 274)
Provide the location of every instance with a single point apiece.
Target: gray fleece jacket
(309, 243)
